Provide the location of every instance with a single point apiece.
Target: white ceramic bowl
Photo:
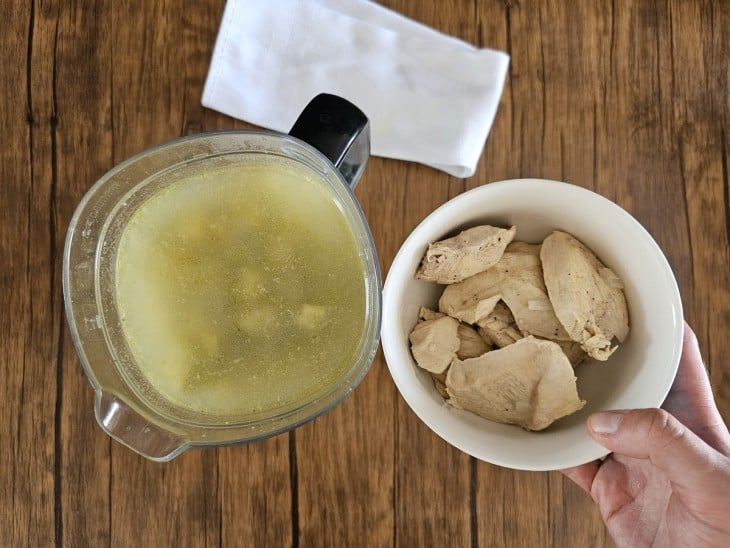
(639, 374)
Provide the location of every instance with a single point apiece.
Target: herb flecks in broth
(241, 289)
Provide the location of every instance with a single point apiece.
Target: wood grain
(627, 98)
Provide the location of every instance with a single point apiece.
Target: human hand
(667, 482)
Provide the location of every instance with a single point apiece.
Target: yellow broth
(241, 290)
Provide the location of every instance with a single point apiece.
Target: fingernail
(606, 422)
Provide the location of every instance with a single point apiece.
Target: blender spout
(130, 428)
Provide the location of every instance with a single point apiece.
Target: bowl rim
(394, 354)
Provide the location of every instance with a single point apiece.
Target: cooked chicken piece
(468, 310)
(464, 255)
(439, 383)
(529, 383)
(257, 322)
(499, 326)
(472, 344)
(574, 352)
(591, 309)
(311, 316)
(434, 343)
(428, 314)
(517, 280)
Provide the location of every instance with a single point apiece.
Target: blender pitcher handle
(131, 429)
(339, 130)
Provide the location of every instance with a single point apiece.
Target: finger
(656, 435)
(690, 399)
(692, 374)
(583, 475)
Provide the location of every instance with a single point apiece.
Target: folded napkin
(430, 98)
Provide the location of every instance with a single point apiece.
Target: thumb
(656, 435)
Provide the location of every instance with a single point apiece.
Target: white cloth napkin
(430, 98)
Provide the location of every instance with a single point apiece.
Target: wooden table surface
(629, 98)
